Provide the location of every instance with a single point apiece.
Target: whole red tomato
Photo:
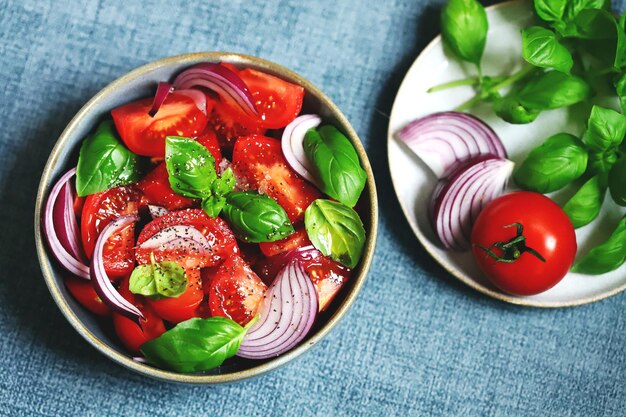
(524, 243)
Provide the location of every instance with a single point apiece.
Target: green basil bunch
(158, 280)
(104, 162)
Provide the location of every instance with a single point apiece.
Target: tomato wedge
(208, 139)
(132, 335)
(229, 123)
(296, 240)
(98, 211)
(218, 234)
(84, 293)
(157, 190)
(235, 291)
(259, 164)
(184, 306)
(145, 135)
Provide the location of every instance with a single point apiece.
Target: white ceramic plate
(413, 181)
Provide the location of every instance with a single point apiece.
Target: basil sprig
(335, 163)
(464, 28)
(542, 48)
(561, 159)
(158, 280)
(196, 344)
(104, 162)
(192, 174)
(335, 230)
(256, 217)
(607, 256)
(585, 205)
(606, 129)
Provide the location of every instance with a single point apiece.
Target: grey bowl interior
(141, 83)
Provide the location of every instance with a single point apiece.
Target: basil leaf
(510, 110)
(550, 10)
(601, 162)
(607, 256)
(617, 181)
(196, 344)
(585, 205)
(541, 48)
(335, 230)
(335, 163)
(551, 166)
(214, 203)
(551, 90)
(256, 217)
(464, 28)
(158, 280)
(104, 162)
(190, 166)
(605, 129)
(575, 7)
(620, 89)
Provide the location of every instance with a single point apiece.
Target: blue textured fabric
(416, 342)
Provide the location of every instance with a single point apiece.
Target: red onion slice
(287, 314)
(61, 227)
(197, 96)
(163, 90)
(174, 237)
(101, 282)
(221, 80)
(157, 211)
(460, 199)
(292, 145)
(444, 140)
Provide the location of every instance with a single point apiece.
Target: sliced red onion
(157, 211)
(443, 140)
(292, 145)
(223, 166)
(101, 282)
(287, 314)
(197, 96)
(221, 80)
(61, 227)
(163, 90)
(176, 237)
(463, 195)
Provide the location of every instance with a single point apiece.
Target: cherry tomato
(259, 164)
(217, 232)
(83, 291)
(145, 135)
(156, 190)
(183, 307)
(235, 291)
(296, 240)
(132, 335)
(523, 242)
(98, 211)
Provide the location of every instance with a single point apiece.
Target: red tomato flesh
(145, 135)
(83, 291)
(235, 291)
(98, 211)
(296, 240)
(183, 307)
(259, 164)
(547, 231)
(156, 190)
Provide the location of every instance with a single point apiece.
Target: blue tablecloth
(416, 342)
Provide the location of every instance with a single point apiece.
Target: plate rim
(430, 247)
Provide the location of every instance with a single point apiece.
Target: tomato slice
(220, 238)
(208, 139)
(296, 240)
(235, 291)
(183, 307)
(132, 335)
(83, 291)
(229, 123)
(98, 211)
(157, 190)
(145, 135)
(259, 164)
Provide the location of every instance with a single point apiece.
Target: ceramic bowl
(141, 83)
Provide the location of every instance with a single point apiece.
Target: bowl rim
(185, 60)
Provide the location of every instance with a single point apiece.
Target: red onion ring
(446, 139)
(287, 314)
(61, 227)
(221, 80)
(157, 211)
(101, 282)
(292, 145)
(174, 237)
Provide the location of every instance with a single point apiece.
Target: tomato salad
(210, 220)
